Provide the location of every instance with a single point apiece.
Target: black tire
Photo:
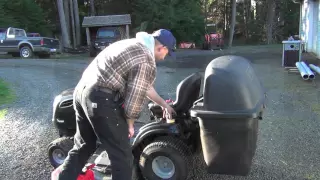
(136, 172)
(205, 46)
(93, 52)
(59, 146)
(26, 52)
(171, 148)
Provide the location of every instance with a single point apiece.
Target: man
(109, 98)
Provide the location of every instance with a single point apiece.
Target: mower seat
(186, 94)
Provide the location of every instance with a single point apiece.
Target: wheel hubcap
(25, 53)
(163, 167)
(58, 156)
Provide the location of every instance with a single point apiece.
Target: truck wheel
(58, 150)
(166, 158)
(205, 46)
(92, 52)
(26, 52)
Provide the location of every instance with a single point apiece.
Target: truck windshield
(103, 33)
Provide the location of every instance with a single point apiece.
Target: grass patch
(3, 113)
(311, 177)
(6, 97)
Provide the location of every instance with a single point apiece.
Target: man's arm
(154, 96)
(139, 80)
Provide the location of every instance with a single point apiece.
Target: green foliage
(24, 14)
(291, 15)
(6, 95)
(183, 18)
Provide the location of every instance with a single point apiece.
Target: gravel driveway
(288, 145)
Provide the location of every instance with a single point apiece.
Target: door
(11, 43)
(13, 38)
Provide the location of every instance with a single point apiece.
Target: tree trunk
(72, 24)
(67, 17)
(92, 9)
(77, 22)
(225, 17)
(233, 21)
(228, 16)
(247, 15)
(270, 20)
(206, 11)
(64, 32)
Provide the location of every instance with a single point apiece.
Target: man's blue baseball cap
(166, 38)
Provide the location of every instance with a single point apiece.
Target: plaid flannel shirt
(126, 66)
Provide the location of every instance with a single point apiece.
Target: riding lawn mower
(222, 123)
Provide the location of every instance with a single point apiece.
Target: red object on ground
(213, 40)
(88, 175)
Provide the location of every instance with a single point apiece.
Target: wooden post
(127, 31)
(88, 36)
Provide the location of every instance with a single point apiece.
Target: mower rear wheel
(166, 158)
(58, 150)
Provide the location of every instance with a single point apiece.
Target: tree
(258, 21)
(270, 20)
(63, 25)
(66, 9)
(77, 22)
(6, 17)
(13, 14)
(92, 8)
(183, 18)
(247, 17)
(233, 21)
(72, 24)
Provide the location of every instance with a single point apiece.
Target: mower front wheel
(58, 150)
(166, 158)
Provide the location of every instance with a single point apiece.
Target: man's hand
(131, 131)
(130, 123)
(168, 111)
(166, 108)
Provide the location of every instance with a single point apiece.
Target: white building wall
(303, 23)
(310, 26)
(315, 32)
(318, 29)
